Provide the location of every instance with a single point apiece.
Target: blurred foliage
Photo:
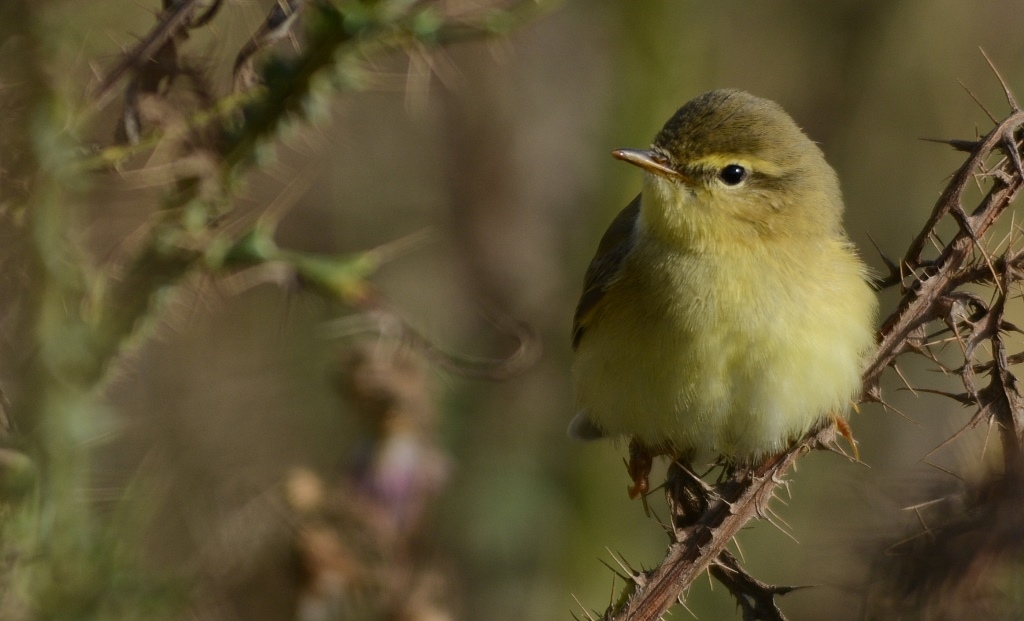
(172, 335)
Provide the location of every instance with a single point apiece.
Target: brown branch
(755, 598)
(1002, 399)
(706, 518)
(174, 19)
(700, 544)
(902, 329)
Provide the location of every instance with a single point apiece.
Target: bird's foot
(844, 430)
(641, 459)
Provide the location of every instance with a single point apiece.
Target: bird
(725, 313)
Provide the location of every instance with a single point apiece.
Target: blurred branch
(360, 539)
(81, 319)
(335, 43)
(344, 278)
(935, 290)
(176, 18)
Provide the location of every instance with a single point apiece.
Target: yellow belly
(691, 355)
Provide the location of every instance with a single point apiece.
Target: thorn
(397, 248)
(665, 526)
(988, 434)
(789, 492)
(1001, 175)
(288, 198)
(905, 382)
(682, 602)
(945, 470)
(739, 550)
(621, 562)
(891, 550)
(611, 592)
(976, 177)
(978, 101)
(894, 269)
(930, 342)
(773, 514)
(583, 608)
(838, 450)
(888, 406)
(1006, 89)
(965, 224)
(1010, 146)
(920, 519)
(1008, 238)
(923, 505)
(967, 146)
(1006, 326)
(971, 424)
(613, 570)
(699, 480)
(724, 566)
(962, 398)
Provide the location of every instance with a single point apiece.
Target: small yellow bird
(725, 312)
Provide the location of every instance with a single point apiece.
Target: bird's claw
(639, 468)
(844, 430)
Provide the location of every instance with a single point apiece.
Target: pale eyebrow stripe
(756, 166)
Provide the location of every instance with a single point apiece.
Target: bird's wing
(604, 267)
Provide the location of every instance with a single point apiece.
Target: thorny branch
(82, 321)
(223, 137)
(706, 518)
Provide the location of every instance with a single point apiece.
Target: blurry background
(501, 149)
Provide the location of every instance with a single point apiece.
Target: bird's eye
(733, 174)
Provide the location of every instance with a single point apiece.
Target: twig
(701, 543)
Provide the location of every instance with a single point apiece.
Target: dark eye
(733, 174)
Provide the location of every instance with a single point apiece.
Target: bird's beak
(652, 162)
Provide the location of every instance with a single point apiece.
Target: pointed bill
(651, 161)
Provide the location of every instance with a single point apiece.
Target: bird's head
(731, 166)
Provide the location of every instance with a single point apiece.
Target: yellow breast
(726, 351)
